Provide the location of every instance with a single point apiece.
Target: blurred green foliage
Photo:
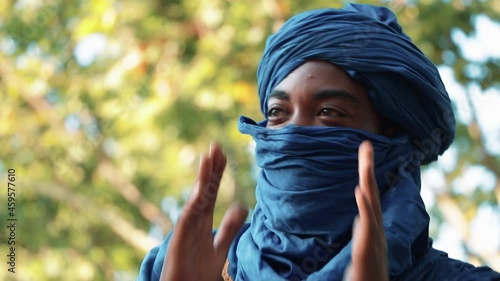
(105, 107)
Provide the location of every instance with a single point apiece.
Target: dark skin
(315, 94)
(193, 253)
(320, 94)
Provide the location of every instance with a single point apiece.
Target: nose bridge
(301, 118)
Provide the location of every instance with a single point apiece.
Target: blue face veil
(301, 226)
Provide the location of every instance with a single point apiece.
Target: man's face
(320, 94)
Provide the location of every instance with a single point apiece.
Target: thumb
(348, 273)
(231, 223)
(356, 230)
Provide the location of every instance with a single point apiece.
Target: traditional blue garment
(301, 226)
(367, 42)
(302, 223)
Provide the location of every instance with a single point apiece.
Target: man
(330, 82)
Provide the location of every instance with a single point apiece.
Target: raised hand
(194, 254)
(369, 250)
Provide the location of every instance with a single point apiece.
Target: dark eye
(275, 112)
(328, 111)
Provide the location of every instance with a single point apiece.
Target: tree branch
(106, 214)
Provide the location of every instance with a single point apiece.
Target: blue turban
(367, 42)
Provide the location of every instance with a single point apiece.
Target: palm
(369, 252)
(194, 253)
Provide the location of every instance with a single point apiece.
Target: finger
(348, 273)
(367, 180)
(355, 226)
(219, 158)
(190, 217)
(366, 173)
(367, 218)
(198, 200)
(231, 223)
(211, 189)
(356, 232)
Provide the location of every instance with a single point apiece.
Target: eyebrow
(320, 95)
(279, 94)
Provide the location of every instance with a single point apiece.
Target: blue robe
(434, 266)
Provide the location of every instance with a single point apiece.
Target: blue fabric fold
(367, 42)
(301, 226)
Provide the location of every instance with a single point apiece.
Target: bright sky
(485, 228)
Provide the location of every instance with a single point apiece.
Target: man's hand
(369, 250)
(193, 253)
